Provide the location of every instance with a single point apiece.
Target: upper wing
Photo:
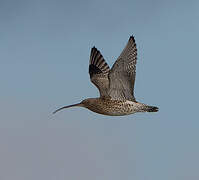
(98, 70)
(122, 74)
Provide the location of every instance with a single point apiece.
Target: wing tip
(93, 48)
(132, 38)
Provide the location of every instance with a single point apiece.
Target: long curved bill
(73, 105)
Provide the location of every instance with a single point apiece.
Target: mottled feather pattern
(116, 86)
(122, 74)
(117, 83)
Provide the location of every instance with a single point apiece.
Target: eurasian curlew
(116, 85)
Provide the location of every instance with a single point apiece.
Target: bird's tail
(73, 105)
(152, 109)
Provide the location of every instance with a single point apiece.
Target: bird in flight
(116, 85)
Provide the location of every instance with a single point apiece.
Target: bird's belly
(114, 108)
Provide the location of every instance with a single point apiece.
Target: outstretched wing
(98, 70)
(122, 74)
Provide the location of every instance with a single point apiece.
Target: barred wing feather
(98, 70)
(122, 74)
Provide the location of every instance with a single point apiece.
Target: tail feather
(152, 109)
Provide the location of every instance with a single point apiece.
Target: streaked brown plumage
(116, 85)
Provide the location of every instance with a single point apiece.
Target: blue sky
(44, 53)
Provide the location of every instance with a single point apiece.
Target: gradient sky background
(44, 53)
